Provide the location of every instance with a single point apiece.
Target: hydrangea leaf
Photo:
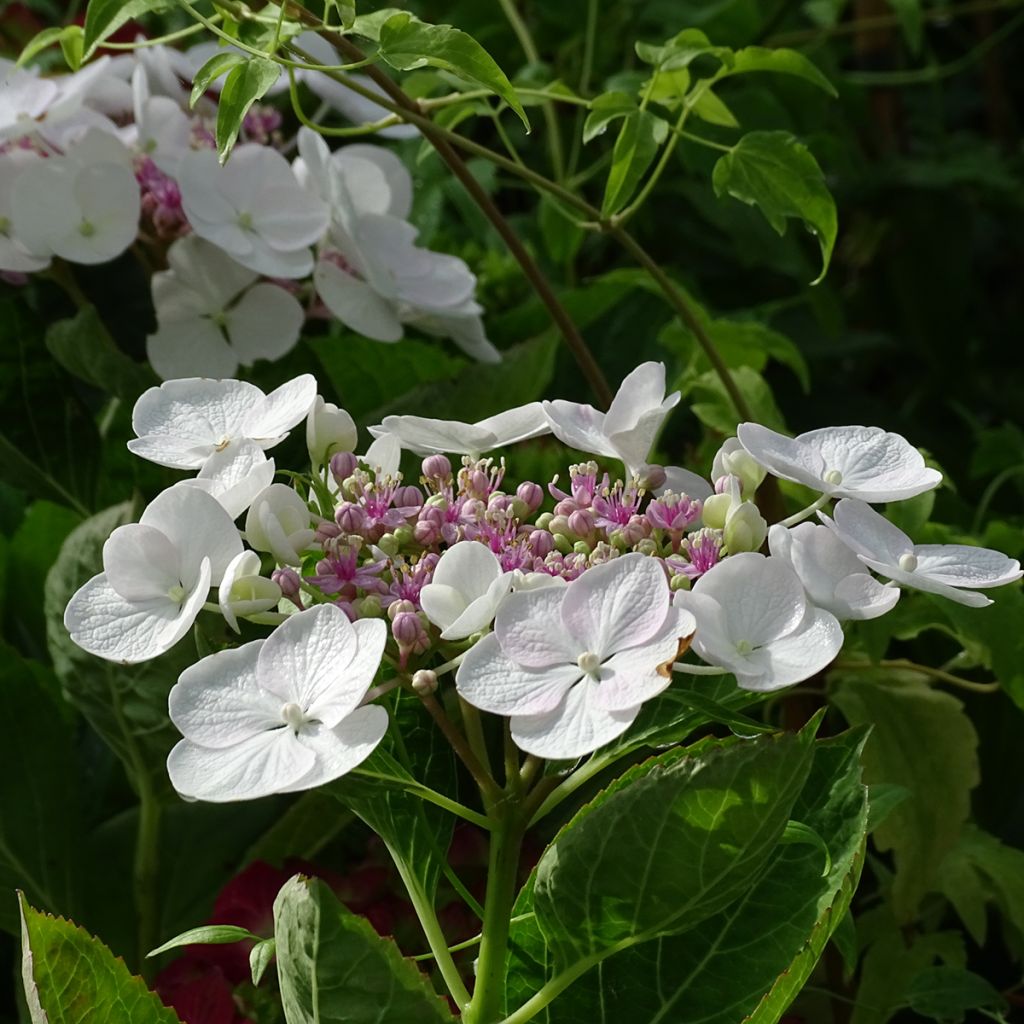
(406, 43)
(245, 84)
(777, 61)
(640, 137)
(104, 17)
(333, 966)
(72, 978)
(778, 174)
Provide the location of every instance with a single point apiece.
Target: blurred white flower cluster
(111, 157)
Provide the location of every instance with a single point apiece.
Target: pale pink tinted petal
(527, 629)
(576, 727)
(961, 565)
(306, 659)
(868, 532)
(340, 749)
(617, 605)
(424, 436)
(265, 323)
(217, 702)
(579, 426)
(266, 763)
(356, 304)
(140, 562)
(331, 705)
(184, 348)
(198, 527)
(798, 656)
(491, 681)
(783, 456)
(641, 390)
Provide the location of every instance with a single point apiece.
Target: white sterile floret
(157, 574)
(754, 620)
(253, 208)
(279, 715)
(278, 522)
(235, 476)
(14, 254)
(834, 578)
(243, 591)
(83, 206)
(212, 316)
(955, 571)
(163, 129)
(466, 590)
(329, 430)
(629, 428)
(425, 436)
(184, 423)
(845, 462)
(684, 481)
(572, 665)
(372, 276)
(732, 459)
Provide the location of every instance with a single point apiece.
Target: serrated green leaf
(947, 993)
(39, 42)
(702, 827)
(219, 64)
(104, 17)
(681, 50)
(406, 43)
(780, 62)
(604, 109)
(749, 960)
(778, 174)
(84, 347)
(709, 107)
(246, 83)
(72, 978)
(640, 137)
(923, 741)
(334, 968)
(207, 935)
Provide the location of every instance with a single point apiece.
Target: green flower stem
(805, 513)
(522, 31)
(474, 728)
(488, 787)
(502, 882)
(469, 943)
(905, 665)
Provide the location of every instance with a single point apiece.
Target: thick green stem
(486, 1006)
(146, 869)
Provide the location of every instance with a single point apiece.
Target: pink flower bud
(581, 524)
(397, 608)
(343, 465)
(651, 477)
(351, 518)
(290, 583)
(326, 531)
(541, 543)
(406, 628)
(437, 468)
(409, 499)
(531, 494)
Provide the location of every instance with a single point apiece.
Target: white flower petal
(783, 456)
(861, 596)
(340, 749)
(798, 655)
(524, 629)
(264, 324)
(683, 481)
(264, 764)
(270, 419)
(141, 563)
(868, 532)
(962, 565)
(236, 475)
(356, 304)
(515, 425)
(333, 704)
(489, 680)
(480, 612)
(576, 727)
(184, 348)
(579, 426)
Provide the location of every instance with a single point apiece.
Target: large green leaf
(104, 17)
(84, 347)
(407, 43)
(640, 137)
(72, 978)
(923, 741)
(747, 961)
(781, 61)
(246, 83)
(778, 174)
(668, 849)
(334, 968)
(604, 109)
(40, 813)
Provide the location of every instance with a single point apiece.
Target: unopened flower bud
(437, 468)
(517, 508)
(328, 430)
(716, 509)
(437, 501)
(326, 530)
(562, 543)
(408, 497)
(400, 608)
(651, 477)
(424, 682)
(404, 535)
(531, 494)
(388, 543)
(559, 526)
(647, 547)
(679, 582)
(343, 465)
(368, 607)
(406, 628)
(745, 528)
(544, 521)
(732, 459)
(580, 524)
(290, 583)
(581, 547)
(541, 543)
(351, 518)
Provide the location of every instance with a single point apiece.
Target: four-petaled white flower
(278, 522)
(425, 436)
(279, 715)
(844, 462)
(212, 315)
(573, 665)
(834, 578)
(235, 476)
(253, 208)
(466, 590)
(955, 571)
(243, 591)
(628, 429)
(754, 620)
(157, 574)
(184, 423)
